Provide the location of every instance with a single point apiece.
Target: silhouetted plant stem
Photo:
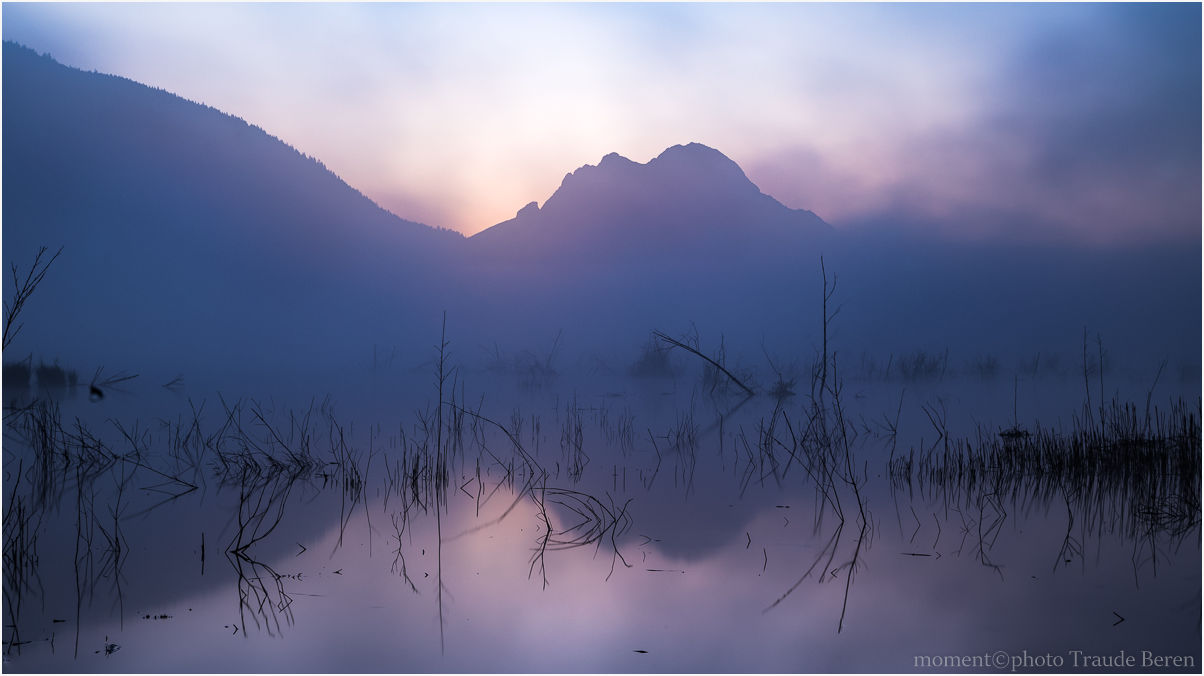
(440, 468)
(1086, 379)
(677, 343)
(22, 290)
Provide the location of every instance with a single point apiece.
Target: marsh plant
(85, 487)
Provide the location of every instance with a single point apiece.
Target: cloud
(1088, 130)
(1085, 117)
(1111, 118)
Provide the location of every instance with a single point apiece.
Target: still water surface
(678, 542)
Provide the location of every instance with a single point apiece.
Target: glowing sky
(1074, 121)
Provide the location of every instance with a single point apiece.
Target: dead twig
(672, 342)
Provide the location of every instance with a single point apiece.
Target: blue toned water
(285, 533)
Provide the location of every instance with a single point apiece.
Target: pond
(603, 524)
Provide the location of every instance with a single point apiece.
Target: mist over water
(679, 531)
(659, 422)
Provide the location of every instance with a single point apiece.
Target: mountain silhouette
(192, 238)
(690, 200)
(685, 239)
(185, 223)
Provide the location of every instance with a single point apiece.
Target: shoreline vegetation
(1120, 469)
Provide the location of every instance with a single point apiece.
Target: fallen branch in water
(677, 343)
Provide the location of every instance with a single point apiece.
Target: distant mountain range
(190, 235)
(181, 222)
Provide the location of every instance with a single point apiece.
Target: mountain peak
(693, 151)
(613, 159)
(702, 163)
(691, 164)
(689, 193)
(673, 158)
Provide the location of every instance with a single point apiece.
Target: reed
(823, 444)
(572, 440)
(23, 288)
(1136, 470)
(653, 361)
(22, 528)
(53, 376)
(18, 375)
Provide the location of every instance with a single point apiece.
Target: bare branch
(22, 290)
(677, 343)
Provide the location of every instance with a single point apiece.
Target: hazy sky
(1064, 121)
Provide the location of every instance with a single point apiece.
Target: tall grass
(822, 443)
(1120, 468)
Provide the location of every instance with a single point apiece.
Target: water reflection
(586, 534)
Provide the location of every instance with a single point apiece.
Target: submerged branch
(677, 343)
